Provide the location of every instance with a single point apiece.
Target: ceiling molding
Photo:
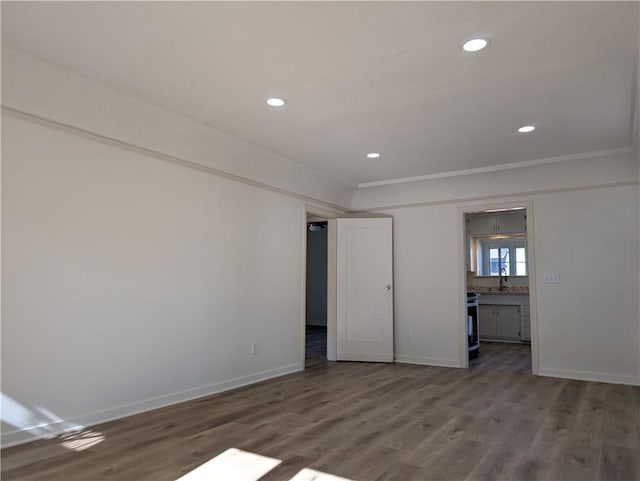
(87, 134)
(495, 168)
(493, 197)
(635, 124)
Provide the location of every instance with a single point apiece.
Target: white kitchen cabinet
(499, 321)
(526, 321)
(481, 224)
(503, 223)
(508, 322)
(515, 223)
(486, 321)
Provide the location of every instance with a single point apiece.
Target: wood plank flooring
(316, 342)
(373, 422)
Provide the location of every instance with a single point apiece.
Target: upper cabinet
(515, 223)
(500, 223)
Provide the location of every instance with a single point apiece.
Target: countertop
(494, 291)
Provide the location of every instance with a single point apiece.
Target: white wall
(39, 88)
(588, 324)
(129, 282)
(574, 172)
(588, 232)
(143, 253)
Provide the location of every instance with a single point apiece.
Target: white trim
(533, 293)
(332, 290)
(590, 376)
(323, 211)
(463, 309)
(489, 197)
(428, 361)
(11, 438)
(303, 289)
(495, 168)
(79, 132)
(329, 215)
(635, 127)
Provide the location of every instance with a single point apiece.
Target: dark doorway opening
(316, 291)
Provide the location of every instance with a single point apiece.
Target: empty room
(330, 241)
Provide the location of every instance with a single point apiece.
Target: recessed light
(373, 155)
(275, 102)
(526, 128)
(474, 44)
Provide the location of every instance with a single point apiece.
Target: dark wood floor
(316, 342)
(494, 421)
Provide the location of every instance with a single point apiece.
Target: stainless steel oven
(472, 325)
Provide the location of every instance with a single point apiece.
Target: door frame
(330, 216)
(463, 354)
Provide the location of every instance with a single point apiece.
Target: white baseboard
(19, 436)
(428, 361)
(589, 376)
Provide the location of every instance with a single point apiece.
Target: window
(503, 257)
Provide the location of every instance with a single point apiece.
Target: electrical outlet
(254, 348)
(551, 278)
(409, 338)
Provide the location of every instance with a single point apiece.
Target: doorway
(357, 308)
(316, 289)
(497, 274)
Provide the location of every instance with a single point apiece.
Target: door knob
(387, 287)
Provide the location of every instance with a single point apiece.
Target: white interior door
(364, 290)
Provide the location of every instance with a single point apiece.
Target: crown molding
(79, 132)
(495, 168)
(493, 197)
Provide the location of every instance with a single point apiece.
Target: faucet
(503, 282)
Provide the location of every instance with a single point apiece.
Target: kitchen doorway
(497, 287)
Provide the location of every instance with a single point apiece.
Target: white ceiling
(363, 76)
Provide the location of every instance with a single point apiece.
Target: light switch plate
(551, 278)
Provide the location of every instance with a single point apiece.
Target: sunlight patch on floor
(238, 465)
(40, 422)
(81, 440)
(312, 475)
(233, 465)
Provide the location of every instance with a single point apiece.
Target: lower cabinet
(502, 321)
(526, 322)
(487, 321)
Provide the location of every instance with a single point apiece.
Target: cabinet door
(526, 322)
(511, 223)
(481, 225)
(486, 321)
(508, 322)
